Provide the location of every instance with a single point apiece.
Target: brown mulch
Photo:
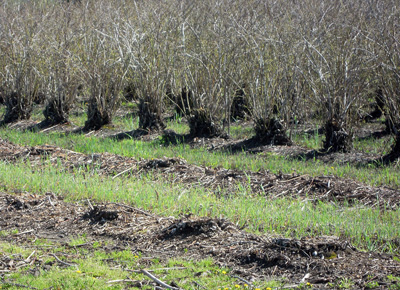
(319, 260)
(223, 182)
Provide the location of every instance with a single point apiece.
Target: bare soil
(316, 260)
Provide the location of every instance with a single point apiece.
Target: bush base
(271, 132)
(56, 111)
(336, 138)
(17, 108)
(201, 125)
(149, 116)
(97, 116)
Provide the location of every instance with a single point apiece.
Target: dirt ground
(318, 260)
(315, 260)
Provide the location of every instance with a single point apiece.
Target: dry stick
(89, 133)
(291, 179)
(241, 243)
(306, 276)
(159, 269)
(26, 232)
(90, 205)
(27, 259)
(130, 168)
(132, 208)
(118, 281)
(158, 281)
(47, 129)
(51, 203)
(289, 286)
(81, 245)
(64, 263)
(243, 280)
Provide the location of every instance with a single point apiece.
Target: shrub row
(280, 62)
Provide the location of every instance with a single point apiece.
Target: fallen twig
(291, 179)
(132, 208)
(47, 129)
(119, 281)
(29, 258)
(64, 263)
(26, 232)
(81, 245)
(130, 168)
(159, 269)
(51, 203)
(306, 276)
(90, 204)
(159, 282)
(91, 132)
(241, 243)
(243, 280)
(289, 286)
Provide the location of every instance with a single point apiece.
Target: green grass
(388, 176)
(238, 130)
(97, 269)
(378, 146)
(371, 145)
(314, 141)
(366, 228)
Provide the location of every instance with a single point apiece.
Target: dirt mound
(161, 163)
(100, 215)
(201, 227)
(319, 260)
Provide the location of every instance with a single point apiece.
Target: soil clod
(100, 215)
(204, 227)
